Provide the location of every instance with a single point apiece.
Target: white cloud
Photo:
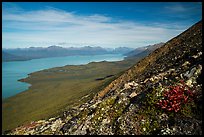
(188, 8)
(36, 28)
(176, 8)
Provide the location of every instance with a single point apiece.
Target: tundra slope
(128, 105)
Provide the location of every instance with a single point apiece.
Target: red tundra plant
(175, 97)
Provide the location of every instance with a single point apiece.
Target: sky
(105, 24)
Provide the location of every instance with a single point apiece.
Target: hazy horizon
(73, 47)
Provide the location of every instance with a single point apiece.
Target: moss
(188, 109)
(116, 112)
(149, 112)
(118, 109)
(84, 113)
(101, 111)
(148, 124)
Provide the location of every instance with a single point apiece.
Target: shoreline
(24, 78)
(60, 57)
(64, 87)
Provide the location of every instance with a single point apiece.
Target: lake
(15, 70)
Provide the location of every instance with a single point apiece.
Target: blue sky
(111, 24)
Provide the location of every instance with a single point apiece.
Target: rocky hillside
(161, 94)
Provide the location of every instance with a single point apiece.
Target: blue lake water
(13, 71)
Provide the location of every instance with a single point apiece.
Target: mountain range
(57, 51)
(142, 51)
(22, 54)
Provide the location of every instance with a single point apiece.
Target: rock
(81, 108)
(163, 117)
(191, 72)
(129, 85)
(185, 63)
(189, 82)
(134, 84)
(57, 124)
(106, 121)
(145, 80)
(198, 71)
(166, 131)
(133, 94)
(41, 121)
(196, 56)
(151, 79)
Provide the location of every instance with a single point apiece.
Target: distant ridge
(57, 51)
(11, 57)
(143, 51)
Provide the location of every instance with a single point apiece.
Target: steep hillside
(161, 94)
